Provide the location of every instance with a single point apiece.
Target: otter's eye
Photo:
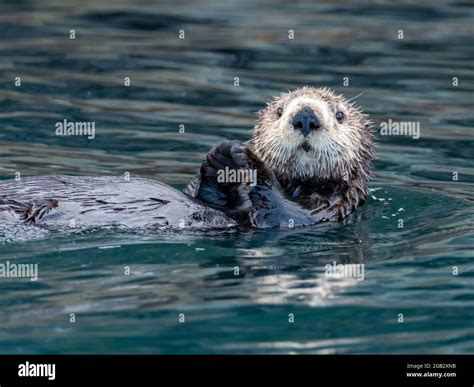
(279, 112)
(339, 116)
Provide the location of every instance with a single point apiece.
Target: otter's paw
(226, 158)
(230, 154)
(221, 183)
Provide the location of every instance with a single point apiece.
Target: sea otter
(310, 152)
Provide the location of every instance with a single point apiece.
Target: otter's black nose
(306, 121)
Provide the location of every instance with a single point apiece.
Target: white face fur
(332, 151)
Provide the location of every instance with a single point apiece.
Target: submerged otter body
(310, 155)
(76, 201)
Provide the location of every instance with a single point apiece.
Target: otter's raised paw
(230, 154)
(220, 182)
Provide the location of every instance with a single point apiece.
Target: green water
(408, 270)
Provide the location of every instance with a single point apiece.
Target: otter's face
(313, 134)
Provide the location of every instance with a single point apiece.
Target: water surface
(190, 82)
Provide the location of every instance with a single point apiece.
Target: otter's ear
(369, 128)
(262, 112)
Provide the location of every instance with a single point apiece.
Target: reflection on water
(190, 81)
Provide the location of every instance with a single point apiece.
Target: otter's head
(313, 133)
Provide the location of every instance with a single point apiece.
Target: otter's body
(310, 147)
(76, 201)
(59, 202)
(310, 158)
